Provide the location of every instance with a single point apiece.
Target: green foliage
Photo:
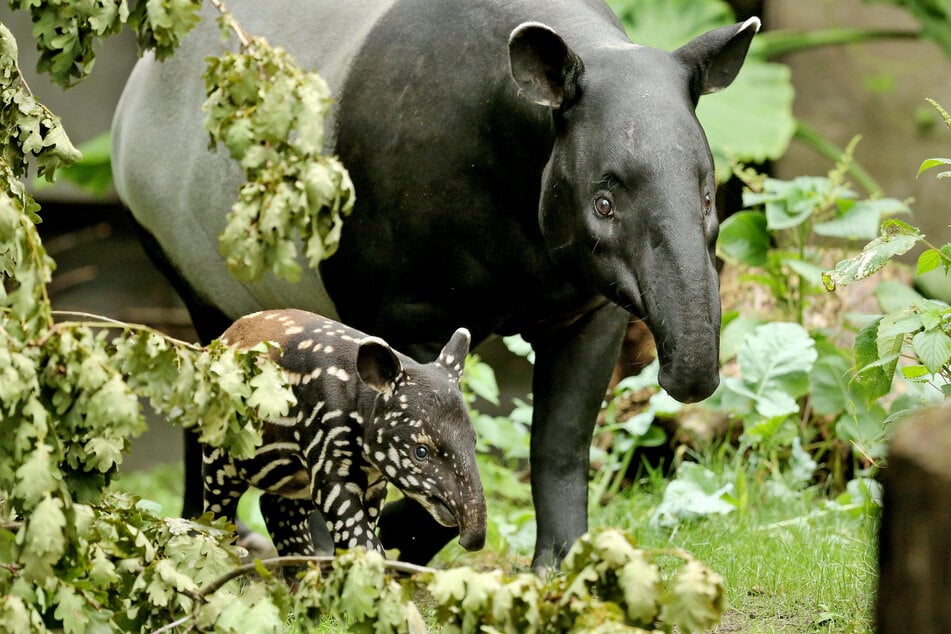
(760, 99)
(934, 16)
(29, 128)
(274, 129)
(92, 173)
(66, 31)
(777, 236)
(913, 327)
(629, 431)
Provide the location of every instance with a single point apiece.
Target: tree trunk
(915, 540)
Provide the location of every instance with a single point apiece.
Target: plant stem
(780, 42)
(813, 138)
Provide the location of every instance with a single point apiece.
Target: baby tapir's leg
(222, 486)
(349, 523)
(288, 521)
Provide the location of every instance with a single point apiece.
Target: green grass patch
(790, 564)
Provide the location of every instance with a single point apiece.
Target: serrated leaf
(893, 241)
(928, 261)
(933, 348)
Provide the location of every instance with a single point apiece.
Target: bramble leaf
(896, 238)
(933, 347)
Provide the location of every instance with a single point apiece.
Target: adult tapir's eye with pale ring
(604, 206)
(707, 202)
(421, 453)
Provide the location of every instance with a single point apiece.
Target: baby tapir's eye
(421, 452)
(604, 206)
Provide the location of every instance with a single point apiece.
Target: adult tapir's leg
(572, 368)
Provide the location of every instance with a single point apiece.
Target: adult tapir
(520, 167)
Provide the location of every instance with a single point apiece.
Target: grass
(789, 564)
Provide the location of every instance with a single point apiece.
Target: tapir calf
(365, 415)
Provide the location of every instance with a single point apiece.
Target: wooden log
(915, 539)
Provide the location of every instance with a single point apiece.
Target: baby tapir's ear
(378, 365)
(453, 355)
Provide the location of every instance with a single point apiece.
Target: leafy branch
(269, 114)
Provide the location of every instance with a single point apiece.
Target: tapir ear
(453, 355)
(378, 365)
(716, 57)
(544, 68)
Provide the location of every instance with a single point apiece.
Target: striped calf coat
(366, 415)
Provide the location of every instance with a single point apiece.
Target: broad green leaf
(862, 219)
(479, 378)
(734, 335)
(898, 324)
(672, 23)
(751, 120)
(933, 347)
(695, 492)
(875, 377)
(780, 353)
(928, 261)
(744, 238)
(809, 272)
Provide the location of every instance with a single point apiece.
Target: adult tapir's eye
(604, 206)
(421, 452)
(707, 201)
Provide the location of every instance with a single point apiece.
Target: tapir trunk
(472, 517)
(682, 306)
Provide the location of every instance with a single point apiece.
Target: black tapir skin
(520, 167)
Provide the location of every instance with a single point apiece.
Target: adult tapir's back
(445, 157)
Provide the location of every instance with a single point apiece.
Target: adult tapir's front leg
(572, 369)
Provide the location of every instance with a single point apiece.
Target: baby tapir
(365, 415)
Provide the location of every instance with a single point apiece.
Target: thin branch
(280, 562)
(100, 321)
(243, 36)
(168, 627)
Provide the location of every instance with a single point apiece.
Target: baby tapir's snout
(366, 415)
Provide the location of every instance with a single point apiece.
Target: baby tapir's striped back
(365, 415)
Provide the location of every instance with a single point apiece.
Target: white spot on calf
(306, 343)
